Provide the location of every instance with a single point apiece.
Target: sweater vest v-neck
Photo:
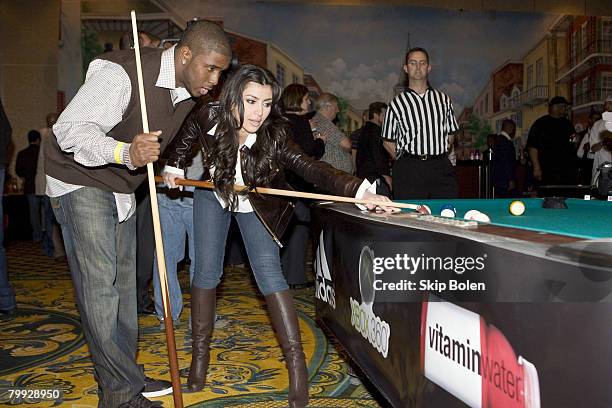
(160, 111)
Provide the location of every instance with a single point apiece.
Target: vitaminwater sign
(474, 361)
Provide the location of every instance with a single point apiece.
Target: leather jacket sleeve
(199, 121)
(317, 172)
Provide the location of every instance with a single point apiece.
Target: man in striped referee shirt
(415, 132)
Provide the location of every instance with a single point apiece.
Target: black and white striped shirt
(420, 124)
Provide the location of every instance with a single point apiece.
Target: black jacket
(25, 166)
(504, 162)
(371, 161)
(273, 211)
(301, 133)
(5, 135)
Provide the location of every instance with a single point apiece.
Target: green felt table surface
(582, 219)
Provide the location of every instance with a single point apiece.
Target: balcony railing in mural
(594, 48)
(534, 96)
(511, 103)
(594, 95)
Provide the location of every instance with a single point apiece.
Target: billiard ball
(423, 209)
(517, 208)
(469, 214)
(448, 210)
(481, 217)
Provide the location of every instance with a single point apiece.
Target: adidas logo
(324, 289)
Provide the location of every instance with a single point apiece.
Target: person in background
(550, 146)
(52, 237)
(295, 102)
(337, 145)
(7, 294)
(355, 137)
(415, 132)
(372, 159)
(148, 40)
(503, 164)
(600, 140)
(584, 153)
(176, 218)
(25, 167)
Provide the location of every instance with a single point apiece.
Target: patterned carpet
(42, 346)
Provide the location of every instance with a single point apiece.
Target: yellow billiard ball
(517, 208)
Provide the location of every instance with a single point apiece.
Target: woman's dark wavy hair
(262, 166)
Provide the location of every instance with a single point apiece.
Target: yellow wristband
(118, 151)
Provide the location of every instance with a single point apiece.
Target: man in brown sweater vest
(94, 164)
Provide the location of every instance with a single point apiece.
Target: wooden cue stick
(159, 245)
(297, 194)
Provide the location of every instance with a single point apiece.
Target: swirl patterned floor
(42, 346)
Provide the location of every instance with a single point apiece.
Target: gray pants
(101, 253)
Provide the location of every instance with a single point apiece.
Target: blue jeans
(49, 222)
(7, 294)
(176, 218)
(101, 253)
(211, 223)
(35, 206)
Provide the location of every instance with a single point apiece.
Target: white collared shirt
(97, 108)
(244, 205)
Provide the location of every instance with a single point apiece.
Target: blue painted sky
(357, 52)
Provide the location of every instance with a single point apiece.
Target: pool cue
(159, 245)
(297, 194)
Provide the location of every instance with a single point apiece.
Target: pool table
(533, 327)
(586, 219)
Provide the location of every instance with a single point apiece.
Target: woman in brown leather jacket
(244, 142)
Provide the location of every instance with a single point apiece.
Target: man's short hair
(417, 49)
(33, 136)
(507, 123)
(203, 37)
(325, 99)
(558, 100)
(376, 108)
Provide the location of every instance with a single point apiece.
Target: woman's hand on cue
(170, 180)
(381, 207)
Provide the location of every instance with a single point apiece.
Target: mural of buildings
(314, 89)
(540, 65)
(464, 139)
(353, 119)
(268, 55)
(402, 79)
(586, 66)
(483, 104)
(507, 80)
(520, 90)
(491, 107)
